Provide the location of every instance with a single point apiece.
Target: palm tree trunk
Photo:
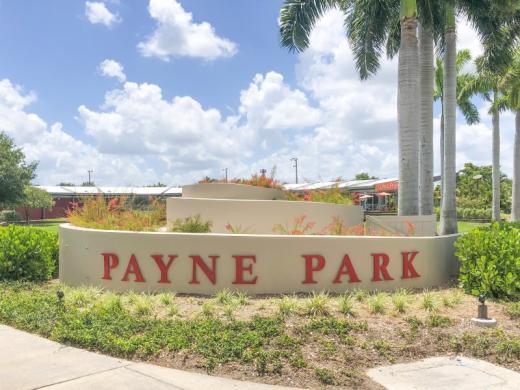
(449, 203)
(496, 165)
(442, 149)
(426, 71)
(515, 209)
(408, 111)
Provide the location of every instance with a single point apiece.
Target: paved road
(31, 362)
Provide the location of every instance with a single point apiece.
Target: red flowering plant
(117, 214)
(300, 226)
(238, 229)
(338, 228)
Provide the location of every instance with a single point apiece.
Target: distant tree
(88, 184)
(15, 173)
(66, 184)
(365, 176)
(158, 184)
(35, 198)
(474, 188)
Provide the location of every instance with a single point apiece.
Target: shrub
(470, 214)
(9, 216)
(191, 225)
(27, 253)
(117, 214)
(489, 260)
(332, 195)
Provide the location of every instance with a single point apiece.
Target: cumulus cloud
(177, 35)
(61, 157)
(97, 13)
(111, 68)
(271, 104)
(335, 124)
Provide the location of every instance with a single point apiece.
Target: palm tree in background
(468, 109)
(488, 84)
(510, 86)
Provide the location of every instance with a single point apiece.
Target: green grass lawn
(465, 227)
(50, 225)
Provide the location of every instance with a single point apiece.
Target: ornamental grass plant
(118, 214)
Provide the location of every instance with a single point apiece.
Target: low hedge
(470, 214)
(28, 253)
(490, 260)
(9, 216)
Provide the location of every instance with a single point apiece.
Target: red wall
(59, 210)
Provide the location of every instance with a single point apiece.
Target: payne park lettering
(243, 272)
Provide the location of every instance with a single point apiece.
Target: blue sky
(173, 90)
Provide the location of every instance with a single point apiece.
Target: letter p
(110, 261)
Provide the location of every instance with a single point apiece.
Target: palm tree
(408, 111)
(371, 24)
(449, 203)
(468, 109)
(426, 77)
(510, 86)
(488, 84)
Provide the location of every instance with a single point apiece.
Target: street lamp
(477, 178)
(295, 166)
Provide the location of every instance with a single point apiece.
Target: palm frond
(463, 57)
(368, 24)
(438, 87)
(298, 17)
(394, 37)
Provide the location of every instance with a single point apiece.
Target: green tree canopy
(15, 173)
(364, 176)
(35, 198)
(474, 188)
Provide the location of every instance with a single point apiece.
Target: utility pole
(263, 171)
(89, 173)
(295, 166)
(226, 171)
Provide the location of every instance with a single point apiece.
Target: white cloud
(97, 13)
(334, 123)
(61, 157)
(176, 35)
(136, 119)
(111, 68)
(271, 104)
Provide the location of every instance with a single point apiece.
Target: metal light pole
(226, 171)
(89, 173)
(295, 159)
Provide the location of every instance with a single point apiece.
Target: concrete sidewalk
(32, 362)
(446, 373)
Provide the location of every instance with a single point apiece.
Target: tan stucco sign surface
(256, 264)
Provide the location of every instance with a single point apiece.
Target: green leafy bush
(470, 214)
(490, 260)
(9, 216)
(192, 225)
(27, 253)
